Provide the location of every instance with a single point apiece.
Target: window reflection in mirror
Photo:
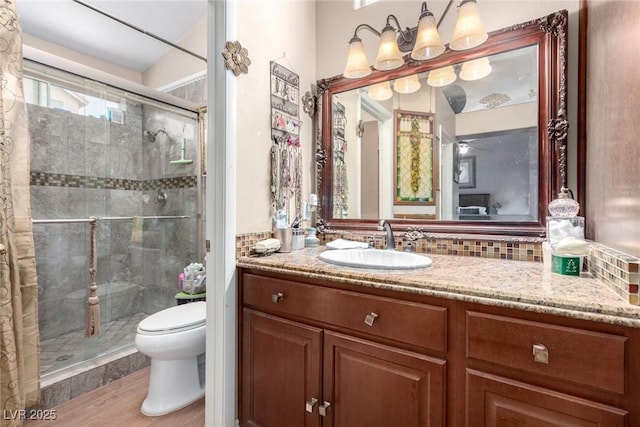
(483, 157)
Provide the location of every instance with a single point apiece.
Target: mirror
(469, 142)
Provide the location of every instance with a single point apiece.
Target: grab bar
(129, 218)
(106, 218)
(61, 221)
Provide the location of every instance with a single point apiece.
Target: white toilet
(174, 339)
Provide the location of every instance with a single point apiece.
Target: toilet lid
(185, 316)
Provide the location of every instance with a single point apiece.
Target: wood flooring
(118, 404)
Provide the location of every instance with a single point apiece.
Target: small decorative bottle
(311, 240)
(564, 206)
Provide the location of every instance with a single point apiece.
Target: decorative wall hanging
(467, 177)
(414, 158)
(236, 58)
(285, 92)
(309, 103)
(286, 180)
(286, 151)
(341, 184)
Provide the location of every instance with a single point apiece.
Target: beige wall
(269, 29)
(613, 103)
(176, 65)
(37, 44)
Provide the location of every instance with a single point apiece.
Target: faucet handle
(412, 236)
(410, 247)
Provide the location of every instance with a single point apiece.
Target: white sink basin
(375, 259)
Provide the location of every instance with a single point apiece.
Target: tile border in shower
(48, 179)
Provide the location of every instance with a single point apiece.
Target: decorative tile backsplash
(506, 247)
(246, 242)
(617, 270)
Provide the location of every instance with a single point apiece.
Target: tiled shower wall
(84, 166)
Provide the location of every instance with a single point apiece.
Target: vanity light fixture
(357, 63)
(428, 44)
(441, 77)
(380, 91)
(469, 31)
(422, 41)
(389, 56)
(463, 148)
(475, 69)
(407, 84)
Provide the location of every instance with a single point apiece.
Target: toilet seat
(175, 319)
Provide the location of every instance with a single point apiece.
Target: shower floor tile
(66, 350)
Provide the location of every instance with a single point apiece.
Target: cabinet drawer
(581, 356)
(283, 297)
(417, 324)
(406, 322)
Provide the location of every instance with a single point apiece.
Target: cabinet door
(496, 401)
(369, 384)
(281, 371)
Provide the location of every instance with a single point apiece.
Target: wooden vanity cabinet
(318, 356)
(529, 369)
(281, 370)
(322, 353)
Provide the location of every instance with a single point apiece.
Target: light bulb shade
(389, 56)
(380, 91)
(442, 76)
(428, 44)
(463, 148)
(357, 64)
(475, 69)
(407, 84)
(469, 31)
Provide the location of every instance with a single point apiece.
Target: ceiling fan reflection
(465, 146)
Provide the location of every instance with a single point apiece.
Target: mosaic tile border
(46, 179)
(246, 242)
(501, 248)
(617, 270)
(442, 244)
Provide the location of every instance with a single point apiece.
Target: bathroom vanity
(466, 342)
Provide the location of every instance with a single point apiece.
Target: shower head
(151, 136)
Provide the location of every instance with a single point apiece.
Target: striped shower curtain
(19, 338)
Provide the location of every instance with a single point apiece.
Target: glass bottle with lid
(564, 206)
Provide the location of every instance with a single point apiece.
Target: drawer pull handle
(370, 318)
(322, 409)
(540, 354)
(276, 298)
(310, 404)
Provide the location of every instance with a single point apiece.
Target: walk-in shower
(91, 156)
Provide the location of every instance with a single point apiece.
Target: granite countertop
(515, 284)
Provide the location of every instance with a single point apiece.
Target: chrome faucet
(384, 225)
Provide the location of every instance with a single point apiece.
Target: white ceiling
(76, 27)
